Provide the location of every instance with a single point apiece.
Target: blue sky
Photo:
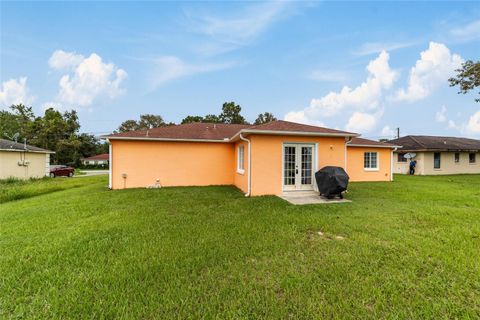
(367, 67)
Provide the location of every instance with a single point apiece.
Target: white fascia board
(163, 139)
(371, 146)
(293, 133)
(32, 151)
(237, 135)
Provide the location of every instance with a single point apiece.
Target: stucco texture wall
(241, 179)
(448, 165)
(355, 164)
(173, 163)
(37, 168)
(267, 159)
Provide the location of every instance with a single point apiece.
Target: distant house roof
(433, 143)
(101, 157)
(222, 132)
(7, 145)
(361, 142)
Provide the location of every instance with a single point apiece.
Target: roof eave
(441, 150)
(292, 133)
(161, 139)
(32, 151)
(372, 146)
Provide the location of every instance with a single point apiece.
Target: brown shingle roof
(17, 146)
(433, 143)
(371, 143)
(221, 131)
(189, 131)
(103, 156)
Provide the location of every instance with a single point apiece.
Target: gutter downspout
(391, 163)
(249, 164)
(346, 152)
(109, 165)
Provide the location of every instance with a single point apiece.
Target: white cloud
(90, 78)
(387, 132)
(363, 122)
(170, 68)
(470, 127)
(473, 124)
(15, 91)
(242, 27)
(435, 66)
(299, 117)
(453, 125)
(366, 97)
(227, 32)
(376, 47)
(468, 32)
(441, 116)
(61, 59)
(296, 116)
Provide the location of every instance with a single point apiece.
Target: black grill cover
(331, 181)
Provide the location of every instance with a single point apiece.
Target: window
(436, 160)
(370, 160)
(240, 168)
(401, 158)
(472, 157)
(457, 157)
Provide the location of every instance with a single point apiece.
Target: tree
(190, 119)
(211, 118)
(147, 121)
(128, 125)
(265, 117)
(54, 130)
(231, 113)
(16, 121)
(467, 78)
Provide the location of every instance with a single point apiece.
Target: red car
(61, 170)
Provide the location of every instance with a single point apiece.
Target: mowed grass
(12, 189)
(410, 249)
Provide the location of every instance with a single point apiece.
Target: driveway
(89, 173)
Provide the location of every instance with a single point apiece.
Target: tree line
(230, 114)
(53, 130)
(59, 131)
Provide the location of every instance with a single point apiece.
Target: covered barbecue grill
(331, 181)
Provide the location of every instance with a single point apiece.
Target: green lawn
(69, 248)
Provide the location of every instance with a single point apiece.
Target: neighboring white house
(98, 160)
(22, 161)
(438, 155)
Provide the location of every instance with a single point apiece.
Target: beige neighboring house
(438, 155)
(23, 161)
(97, 160)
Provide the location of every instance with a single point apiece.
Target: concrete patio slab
(308, 197)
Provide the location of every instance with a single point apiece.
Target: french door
(298, 163)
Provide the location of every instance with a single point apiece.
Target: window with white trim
(370, 160)
(240, 167)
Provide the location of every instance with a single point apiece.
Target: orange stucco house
(267, 159)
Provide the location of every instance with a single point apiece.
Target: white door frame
(298, 186)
